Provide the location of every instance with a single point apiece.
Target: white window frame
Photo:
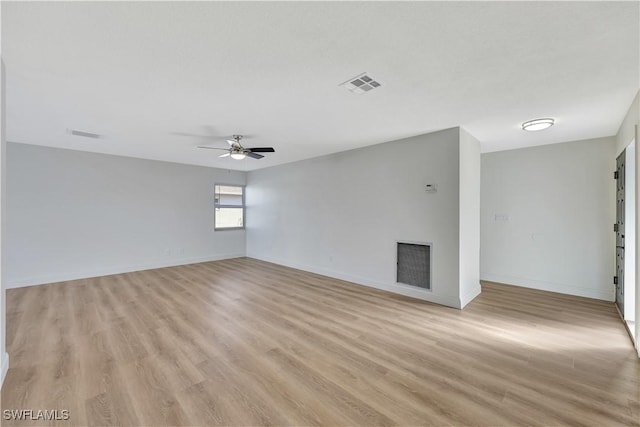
(217, 205)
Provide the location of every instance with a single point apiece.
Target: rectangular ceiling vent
(414, 265)
(83, 133)
(361, 84)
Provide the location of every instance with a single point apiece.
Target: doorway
(625, 229)
(619, 229)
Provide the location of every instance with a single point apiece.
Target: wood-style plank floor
(243, 342)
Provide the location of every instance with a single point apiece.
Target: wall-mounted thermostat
(431, 188)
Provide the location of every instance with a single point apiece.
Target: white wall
(341, 215)
(73, 214)
(4, 356)
(469, 217)
(560, 204)
(637, 229)
(630, 232)
(626, 133)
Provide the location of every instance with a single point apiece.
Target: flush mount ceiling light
(537, 124)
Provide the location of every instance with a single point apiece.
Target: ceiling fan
(238, 152)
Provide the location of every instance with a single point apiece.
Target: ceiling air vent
(361, 84)
(83, 133)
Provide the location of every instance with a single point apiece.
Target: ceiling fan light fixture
(538, 124)
(237, 152)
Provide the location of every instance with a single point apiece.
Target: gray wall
(73, 214)
(560, 204)
(341, 215)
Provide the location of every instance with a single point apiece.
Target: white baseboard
(63, 277)
(470, 296)
(408, 291)
(4, 368)
(551, 287)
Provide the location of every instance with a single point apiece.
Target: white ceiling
(142, 73)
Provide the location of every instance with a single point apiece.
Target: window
(229, 207)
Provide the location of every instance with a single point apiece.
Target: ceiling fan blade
(225, 155)
(213, 148)
(254, 155)
(262, 150)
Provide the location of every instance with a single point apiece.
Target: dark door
(619, 229)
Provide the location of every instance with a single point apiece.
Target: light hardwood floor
(244, 342)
